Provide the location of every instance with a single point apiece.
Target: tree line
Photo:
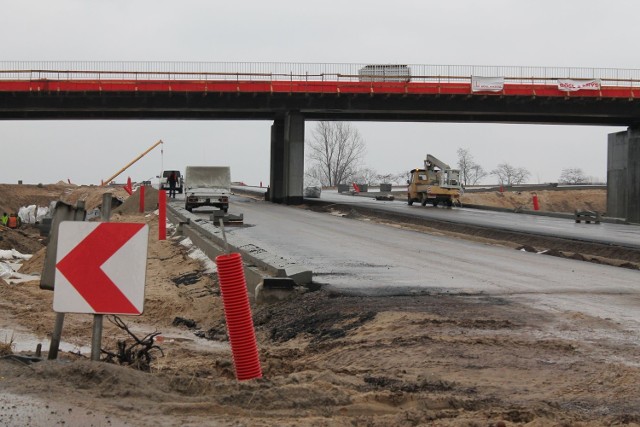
(336, 150)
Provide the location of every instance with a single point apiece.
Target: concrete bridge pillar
(287, 159)
(623, 175)
(276, 168)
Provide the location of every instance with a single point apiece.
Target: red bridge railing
(310, 78)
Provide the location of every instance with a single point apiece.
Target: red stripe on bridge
(302, 87)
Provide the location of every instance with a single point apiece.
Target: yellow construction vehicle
(436, 183)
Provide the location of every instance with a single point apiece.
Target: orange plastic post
(162, 215)
(237, 312)
(536, 205)
(141, 191)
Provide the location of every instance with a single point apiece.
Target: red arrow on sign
(82, 267)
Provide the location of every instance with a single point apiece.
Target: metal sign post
(62, 212)
(96, 336)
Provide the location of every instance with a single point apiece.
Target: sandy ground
(327, 359)
(548, 200)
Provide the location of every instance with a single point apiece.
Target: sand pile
(132, 204)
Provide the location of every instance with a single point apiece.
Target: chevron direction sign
(101, 268)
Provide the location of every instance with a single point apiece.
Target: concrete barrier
(344, 188)
(210, 241)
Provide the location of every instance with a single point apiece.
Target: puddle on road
(25, 342)
(16, 410)
(183, 337)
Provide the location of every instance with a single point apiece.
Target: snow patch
(195, 253)
(12, 254)
(9, 269)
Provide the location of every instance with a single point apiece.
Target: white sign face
(100, 268)
(487, 84)
(568, 85)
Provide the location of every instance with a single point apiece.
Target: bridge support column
(287, 159)
(276, 169)
(623, 175)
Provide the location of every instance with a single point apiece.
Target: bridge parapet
(308, 72)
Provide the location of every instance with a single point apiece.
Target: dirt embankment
(27, 238)
(13, 197)
(567, 201)
(558, 200)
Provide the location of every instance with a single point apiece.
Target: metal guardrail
(282, 71)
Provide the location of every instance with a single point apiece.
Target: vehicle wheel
(449, 203)
(189, 208)
(435, 203)
(409, 201)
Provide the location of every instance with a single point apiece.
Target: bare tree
(470, 172)
(385, 178)
(475, 174)
(390, 178)
(510, 175)
(366, 176)
(573, 176)
(335, 151)
(313, 176)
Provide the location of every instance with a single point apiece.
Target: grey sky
(565, 33)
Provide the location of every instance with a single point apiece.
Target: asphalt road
(368, 258)
(607, 233)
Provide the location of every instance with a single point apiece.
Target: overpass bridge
(291, 93)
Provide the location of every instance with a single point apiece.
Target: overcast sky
(567, 33)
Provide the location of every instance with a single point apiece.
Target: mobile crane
(111, 178)
(436, 183)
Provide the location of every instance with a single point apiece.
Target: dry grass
(6, 347)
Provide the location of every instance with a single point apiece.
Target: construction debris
(588, 216)
(227, 218)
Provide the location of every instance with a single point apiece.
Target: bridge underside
(320, 106)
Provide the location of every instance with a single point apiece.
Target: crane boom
(105, 182)
(436, 162)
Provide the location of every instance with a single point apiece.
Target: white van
(164, 181)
